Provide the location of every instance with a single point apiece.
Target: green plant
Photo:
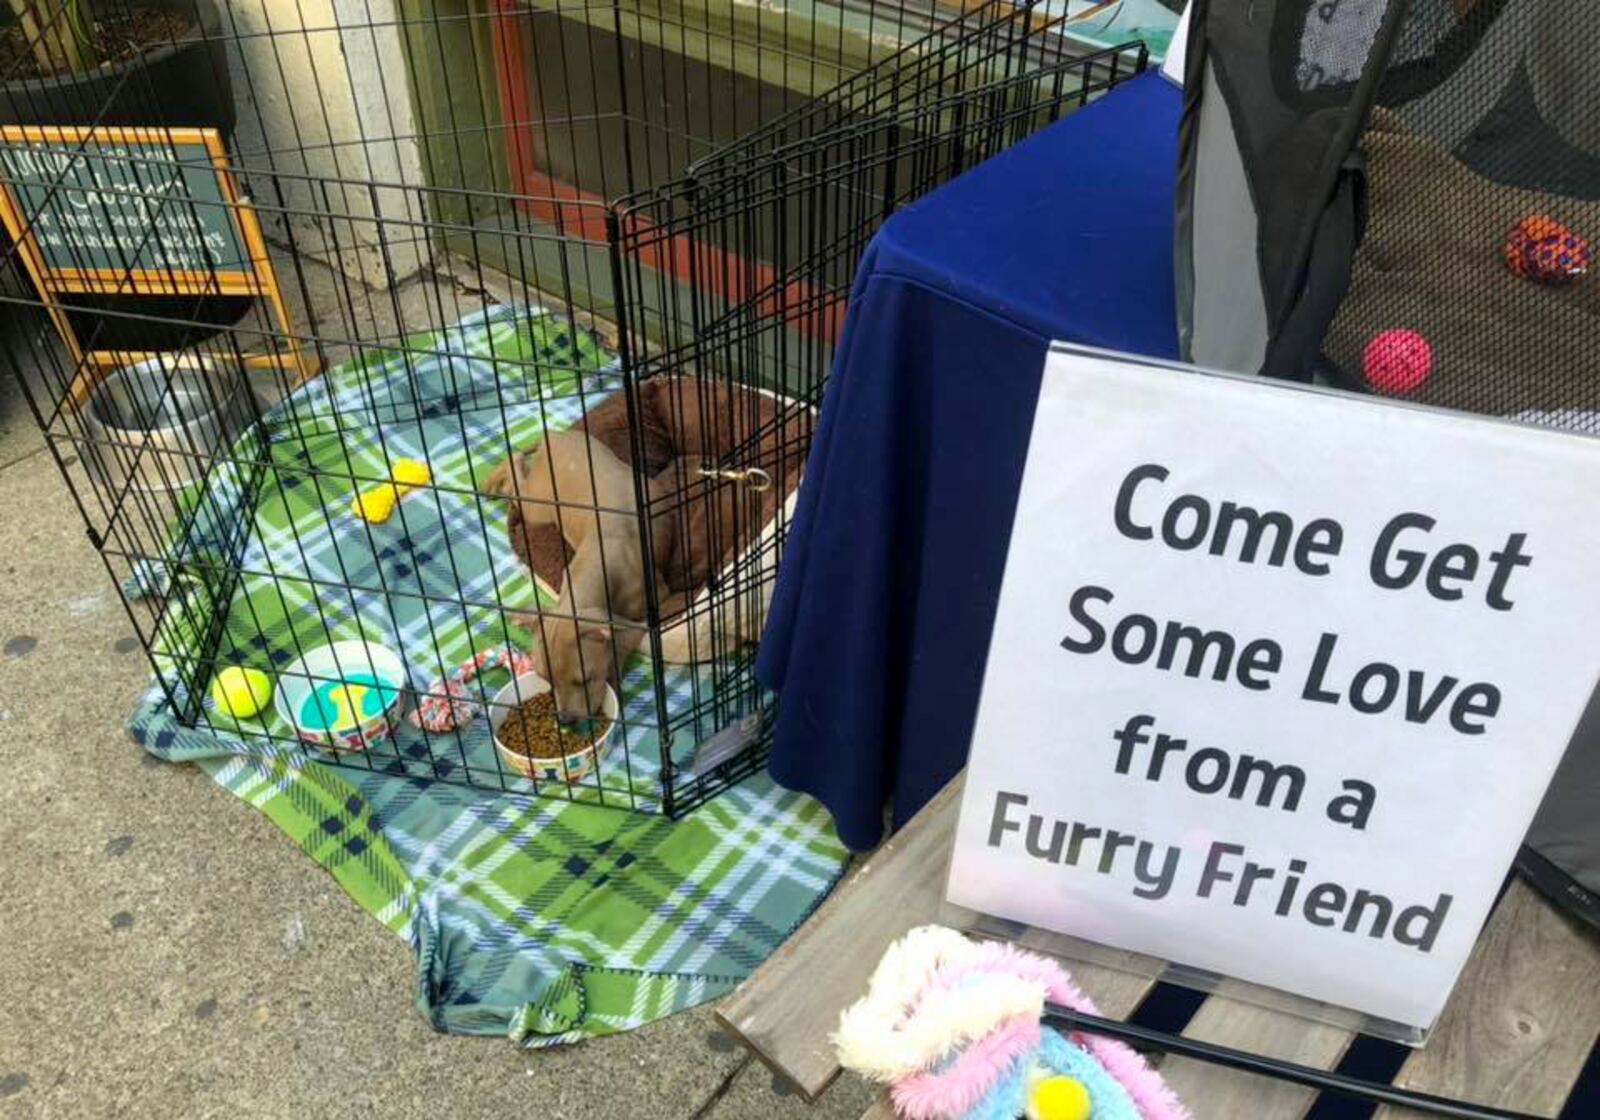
(61, 33)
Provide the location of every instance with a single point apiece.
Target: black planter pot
(182, 84)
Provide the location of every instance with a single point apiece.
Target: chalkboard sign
(111, 206)
(135, 212)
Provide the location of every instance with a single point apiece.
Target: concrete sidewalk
(166, 952)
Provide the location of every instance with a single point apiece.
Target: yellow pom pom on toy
(375, 505)
(241, 693)
(409, 473)
(1059, 1098)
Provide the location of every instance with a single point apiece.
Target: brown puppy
(577, 483)
(579, 645)
(571, 481)
(672, 497)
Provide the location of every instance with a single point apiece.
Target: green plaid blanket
(542, 918)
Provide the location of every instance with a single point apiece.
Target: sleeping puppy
(577, 483)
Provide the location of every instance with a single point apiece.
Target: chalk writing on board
(115, 206)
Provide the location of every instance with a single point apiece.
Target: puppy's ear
(594, 632)
(500, 482)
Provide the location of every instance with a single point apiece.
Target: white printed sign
(1178, 53)
(1278, 677)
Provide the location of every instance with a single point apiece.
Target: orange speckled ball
(1541, 249)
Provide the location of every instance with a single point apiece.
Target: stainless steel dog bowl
(157, 424)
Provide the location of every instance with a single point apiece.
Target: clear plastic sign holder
(1390, 844)
(1076, 951)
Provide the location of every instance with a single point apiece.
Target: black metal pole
(1324, 1080)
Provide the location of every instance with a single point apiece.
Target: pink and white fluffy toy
(952, 1026)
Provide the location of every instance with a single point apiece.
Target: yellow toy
(349, 701)
(1059, 1097)
(376, 505)
(240, 693)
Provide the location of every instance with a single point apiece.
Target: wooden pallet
(1515, 1034)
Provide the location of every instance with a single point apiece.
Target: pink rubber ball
(1397, 361)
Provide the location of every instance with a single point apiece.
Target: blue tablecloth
(881, 618)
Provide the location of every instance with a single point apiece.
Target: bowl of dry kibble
(534, 742)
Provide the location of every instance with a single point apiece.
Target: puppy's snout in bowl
(584, 750)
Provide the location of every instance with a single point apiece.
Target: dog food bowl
(343, 697)
(157, 425)
(570, 767)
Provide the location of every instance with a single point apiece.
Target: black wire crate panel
(438, 386)
(1015, 57)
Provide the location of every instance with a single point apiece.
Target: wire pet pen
(362, 384)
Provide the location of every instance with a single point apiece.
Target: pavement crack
(721, 1090)
(23, 458)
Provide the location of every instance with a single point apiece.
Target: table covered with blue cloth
(881, 618)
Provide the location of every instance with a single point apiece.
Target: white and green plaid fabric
(544, 918)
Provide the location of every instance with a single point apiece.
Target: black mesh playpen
(1401, 197)
(401, 360)
(1407, 192)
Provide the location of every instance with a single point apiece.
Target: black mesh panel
(1484, 195)
(1298, 78)
(1427, 178)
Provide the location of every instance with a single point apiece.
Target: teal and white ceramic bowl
(344, 696)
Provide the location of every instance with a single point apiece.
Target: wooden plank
(1526, 999)
(1117, 981)
(1523, 1018)
(1515, 1035)
(1212, 1091)
(787, 1010)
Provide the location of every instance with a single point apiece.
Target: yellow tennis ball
(1059, 1098)
(241, 692)
(409, 472)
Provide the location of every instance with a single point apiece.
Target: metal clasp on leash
(753, 477)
